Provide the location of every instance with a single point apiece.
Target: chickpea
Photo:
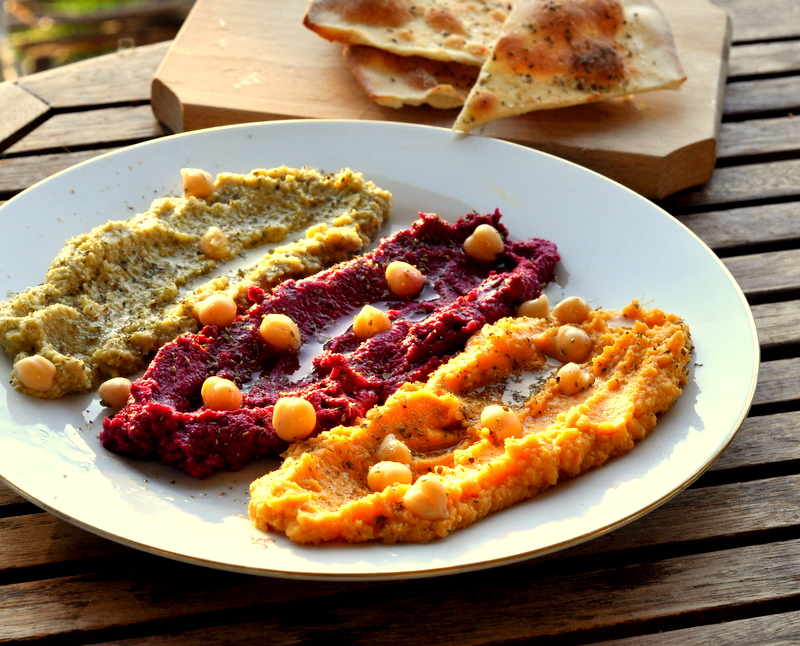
(281, 332)
(404, 280)
(36, 373)
(571, 310)
(369, 321)
(385, 474)
(115, 392)
(221, 394)
(572, 344)
(485, 243)
(215, 244)
(217, 309)
(393, 450)
(538, 308)
(427, 498)
(571, 379)
(502, 421)
(293, 418)
(197, 182)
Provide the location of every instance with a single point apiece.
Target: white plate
(615, 246)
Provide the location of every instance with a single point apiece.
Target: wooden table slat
(778, 382)
(777, 323)
(758, 137)
(739, 184)
(20, 109)
(775, 630)
(756, 273)
(92, 129)
(764, 58)
(734, 227)
(768, 95)
(123, 77)
(21, 172)
(604, 598)
(756, 20)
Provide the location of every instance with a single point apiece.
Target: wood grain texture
(19, 109)
(9, 497)
(765, 95)
(757, 20)
(693, 515)
(733, 228)
(122, 77)
(42, 539)
(758, 137)
(778, 382)
(745, 183)
(656, 143)
(18, 173)
(109, 126)
(127, 596)
(762, 440)
(764, 58)
(777, 323)
(757, 274)
(773, 630)
(532, 606)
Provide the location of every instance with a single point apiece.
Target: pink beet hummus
(165, 418)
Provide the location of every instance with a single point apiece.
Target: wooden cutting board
(236, 61)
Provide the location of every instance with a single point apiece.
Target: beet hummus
(342, 377)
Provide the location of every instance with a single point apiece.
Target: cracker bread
(556, 53)
(461, 31)
(393, 81)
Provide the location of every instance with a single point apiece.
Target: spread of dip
(339, 373)
(440, 455)
(113, 296)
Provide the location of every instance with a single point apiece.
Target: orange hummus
(634, 371)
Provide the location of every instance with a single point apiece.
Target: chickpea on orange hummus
(440, 455)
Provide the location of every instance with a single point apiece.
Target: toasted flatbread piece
(461, 31)
(393, 81)
(555, 53)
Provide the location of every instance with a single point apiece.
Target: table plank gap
(642, 597)
(766, 273)
(88, 130)
(19, 173)
(738, 186)
(21, 112)
(733, 229)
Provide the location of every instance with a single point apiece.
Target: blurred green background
(36, 35)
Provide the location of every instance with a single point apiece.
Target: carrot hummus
(463, 463)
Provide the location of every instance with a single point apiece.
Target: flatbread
(393, 81)
(461, 31)
(556, 53)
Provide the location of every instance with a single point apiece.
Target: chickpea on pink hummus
(166, 418)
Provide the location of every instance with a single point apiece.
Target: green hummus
(116, 294)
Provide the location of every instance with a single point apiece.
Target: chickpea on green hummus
(114, 295)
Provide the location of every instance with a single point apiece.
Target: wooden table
(718, 564)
